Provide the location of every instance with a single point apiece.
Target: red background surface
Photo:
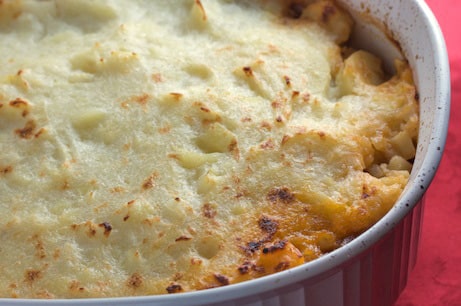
(436, 279)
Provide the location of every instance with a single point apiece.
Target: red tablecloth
(436, 279)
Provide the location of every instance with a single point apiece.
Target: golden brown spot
(248, 71)
(43, 294)
(196, 261)
(306, 97)
(91, 228)
(268, 144)
(209, 210)
(75, 286)
(176, 95)
(150, 181)
(285, 139)
(199, 4)
(40, 252)
(56, 253)
(117, 189)
(32, 275)
(173, 155)
(182, 238)
(157, 77)
(40, 132)
(135, 280)
(27, 131)
(68, 163)
(294, 94)
(232, 146)
(65, 185)
(276, 104)
(191, 230)
(266, 125)
(142, 99)
(174, 288)
(280, 195)
(239, 195)
(222, 280)
(246, 119)
(107, 228)
(148, 221)
(300, 130)
(279, 119)
(6, 170)
(91, 232)
(164, 129)
(126, 217)
(287, 80)
(321, 134)
(19, 103)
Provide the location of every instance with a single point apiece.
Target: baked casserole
(154, 147)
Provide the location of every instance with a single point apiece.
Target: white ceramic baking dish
(372, 269)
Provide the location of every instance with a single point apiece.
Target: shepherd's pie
(154, 147)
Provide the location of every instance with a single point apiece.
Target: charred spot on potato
(279, 245)
(280, 195)
(107, 228)
(209, 210)
(222, 279)
(268, 225)
(135, 280)
(252, 246)
(174, 288)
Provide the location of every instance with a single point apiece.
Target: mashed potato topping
(153, 147)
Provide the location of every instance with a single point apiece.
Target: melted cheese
(151, 147)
